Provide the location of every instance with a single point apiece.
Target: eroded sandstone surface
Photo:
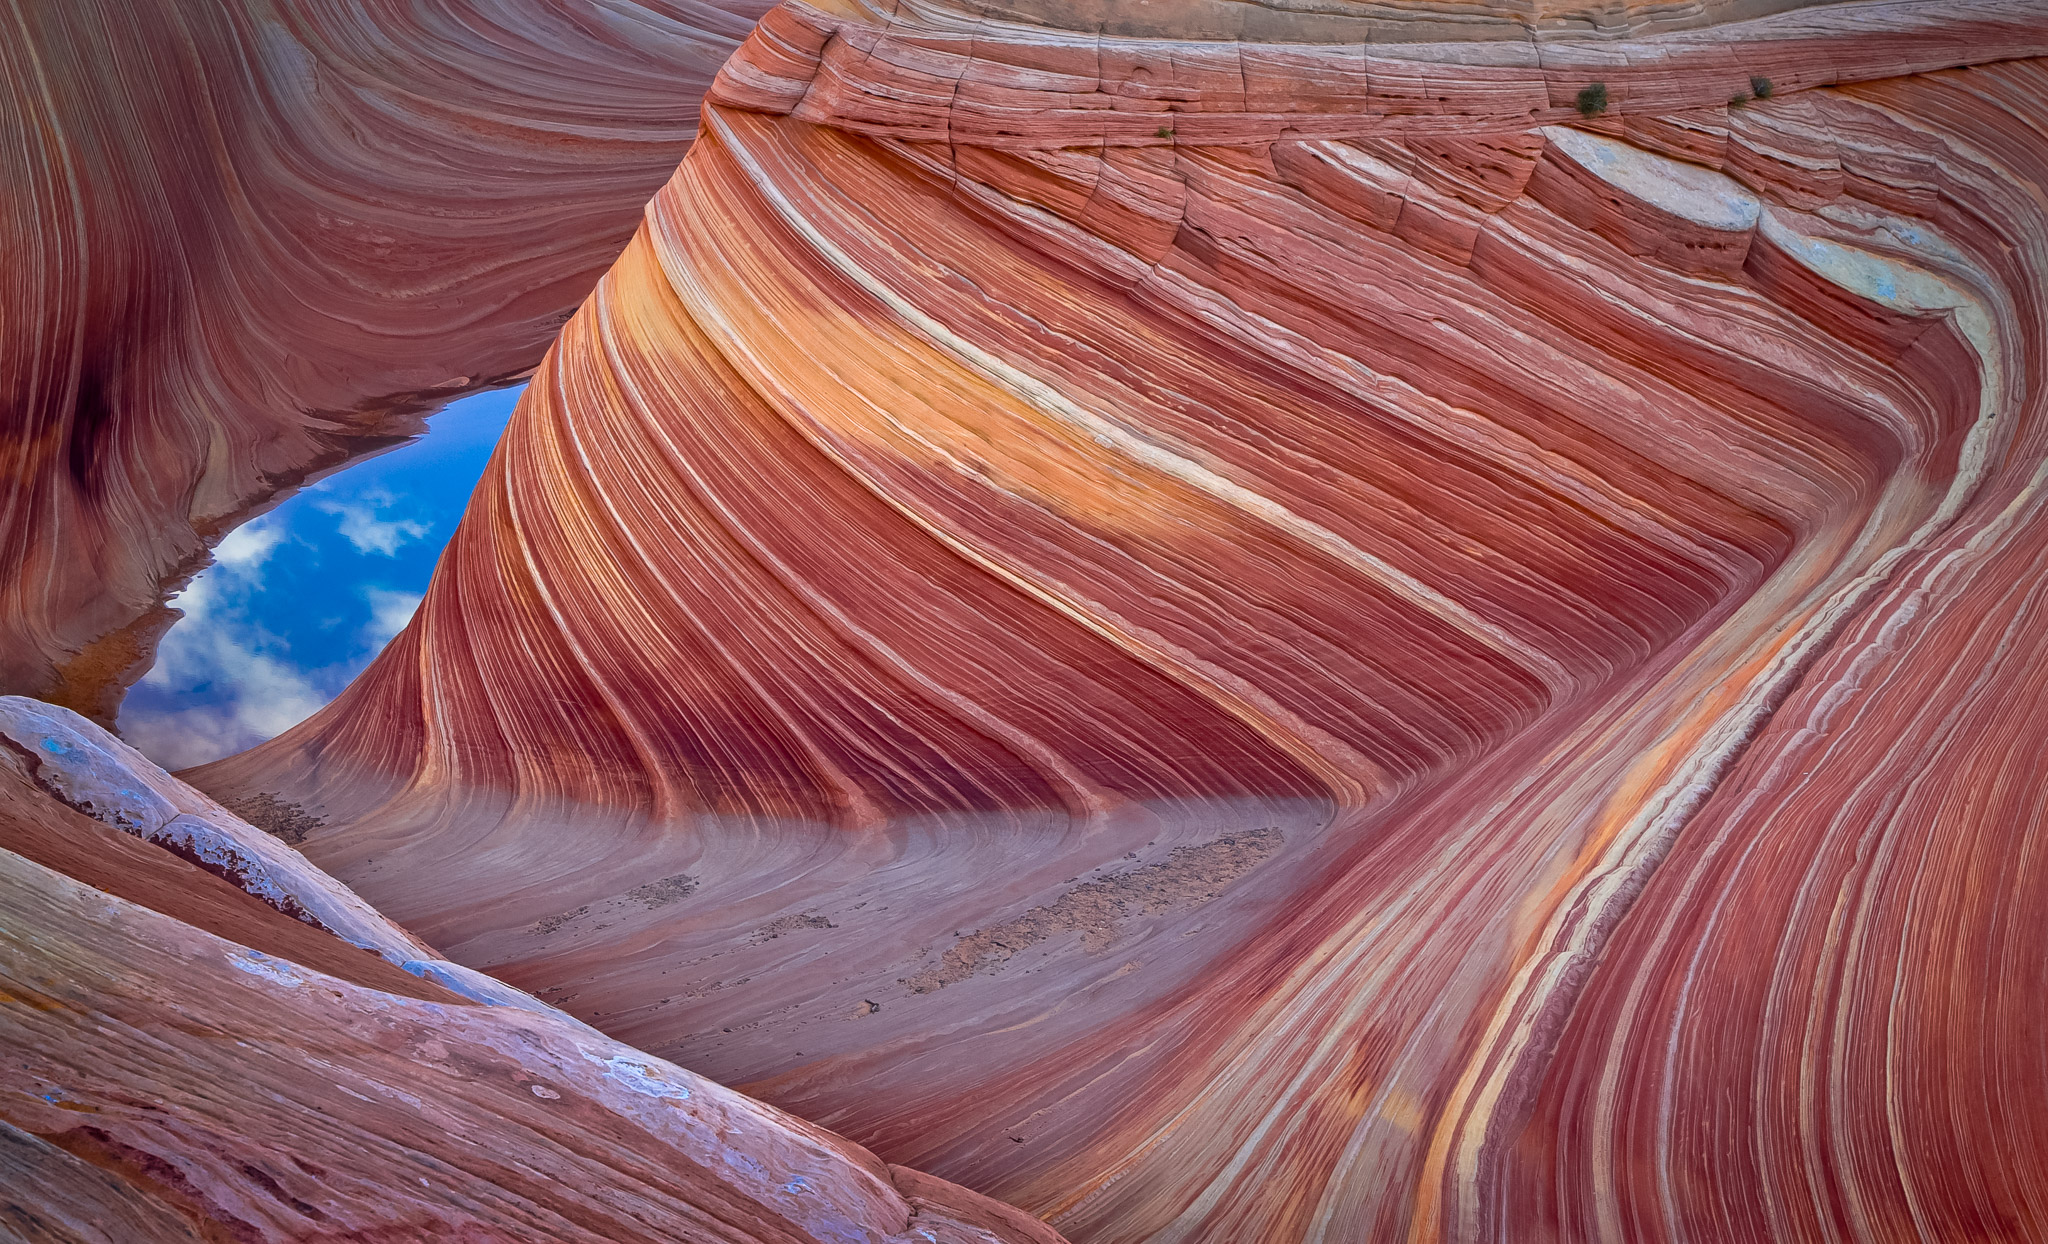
(1227, 622)
(1592, 555)
(243, 243)
(198, 1048)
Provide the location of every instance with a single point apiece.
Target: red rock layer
(242, 243)
(1141, 650)
(1822, 1020)
(187, 1061)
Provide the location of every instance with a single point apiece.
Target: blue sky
(299, 600)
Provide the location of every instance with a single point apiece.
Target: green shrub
(1737, 101)
(1593, 100)
(1162, 132)
(1760, 87)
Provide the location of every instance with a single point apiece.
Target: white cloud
(363, 524)
(223, 681)
(247, 547)
(271, 699)
(259, 694)
(189, 737)
(389, 612)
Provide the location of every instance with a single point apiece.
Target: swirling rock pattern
(245, 242)
(1285, 640)
(193, 1052)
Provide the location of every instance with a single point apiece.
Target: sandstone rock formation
(1225, 622)
(1280, 637)
(195, 1051)
(243, 242)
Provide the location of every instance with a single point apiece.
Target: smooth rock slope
(198, 1049)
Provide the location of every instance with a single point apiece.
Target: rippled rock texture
(1286, 641)
(198, 1048)
(241, 243)
(1228, 632)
